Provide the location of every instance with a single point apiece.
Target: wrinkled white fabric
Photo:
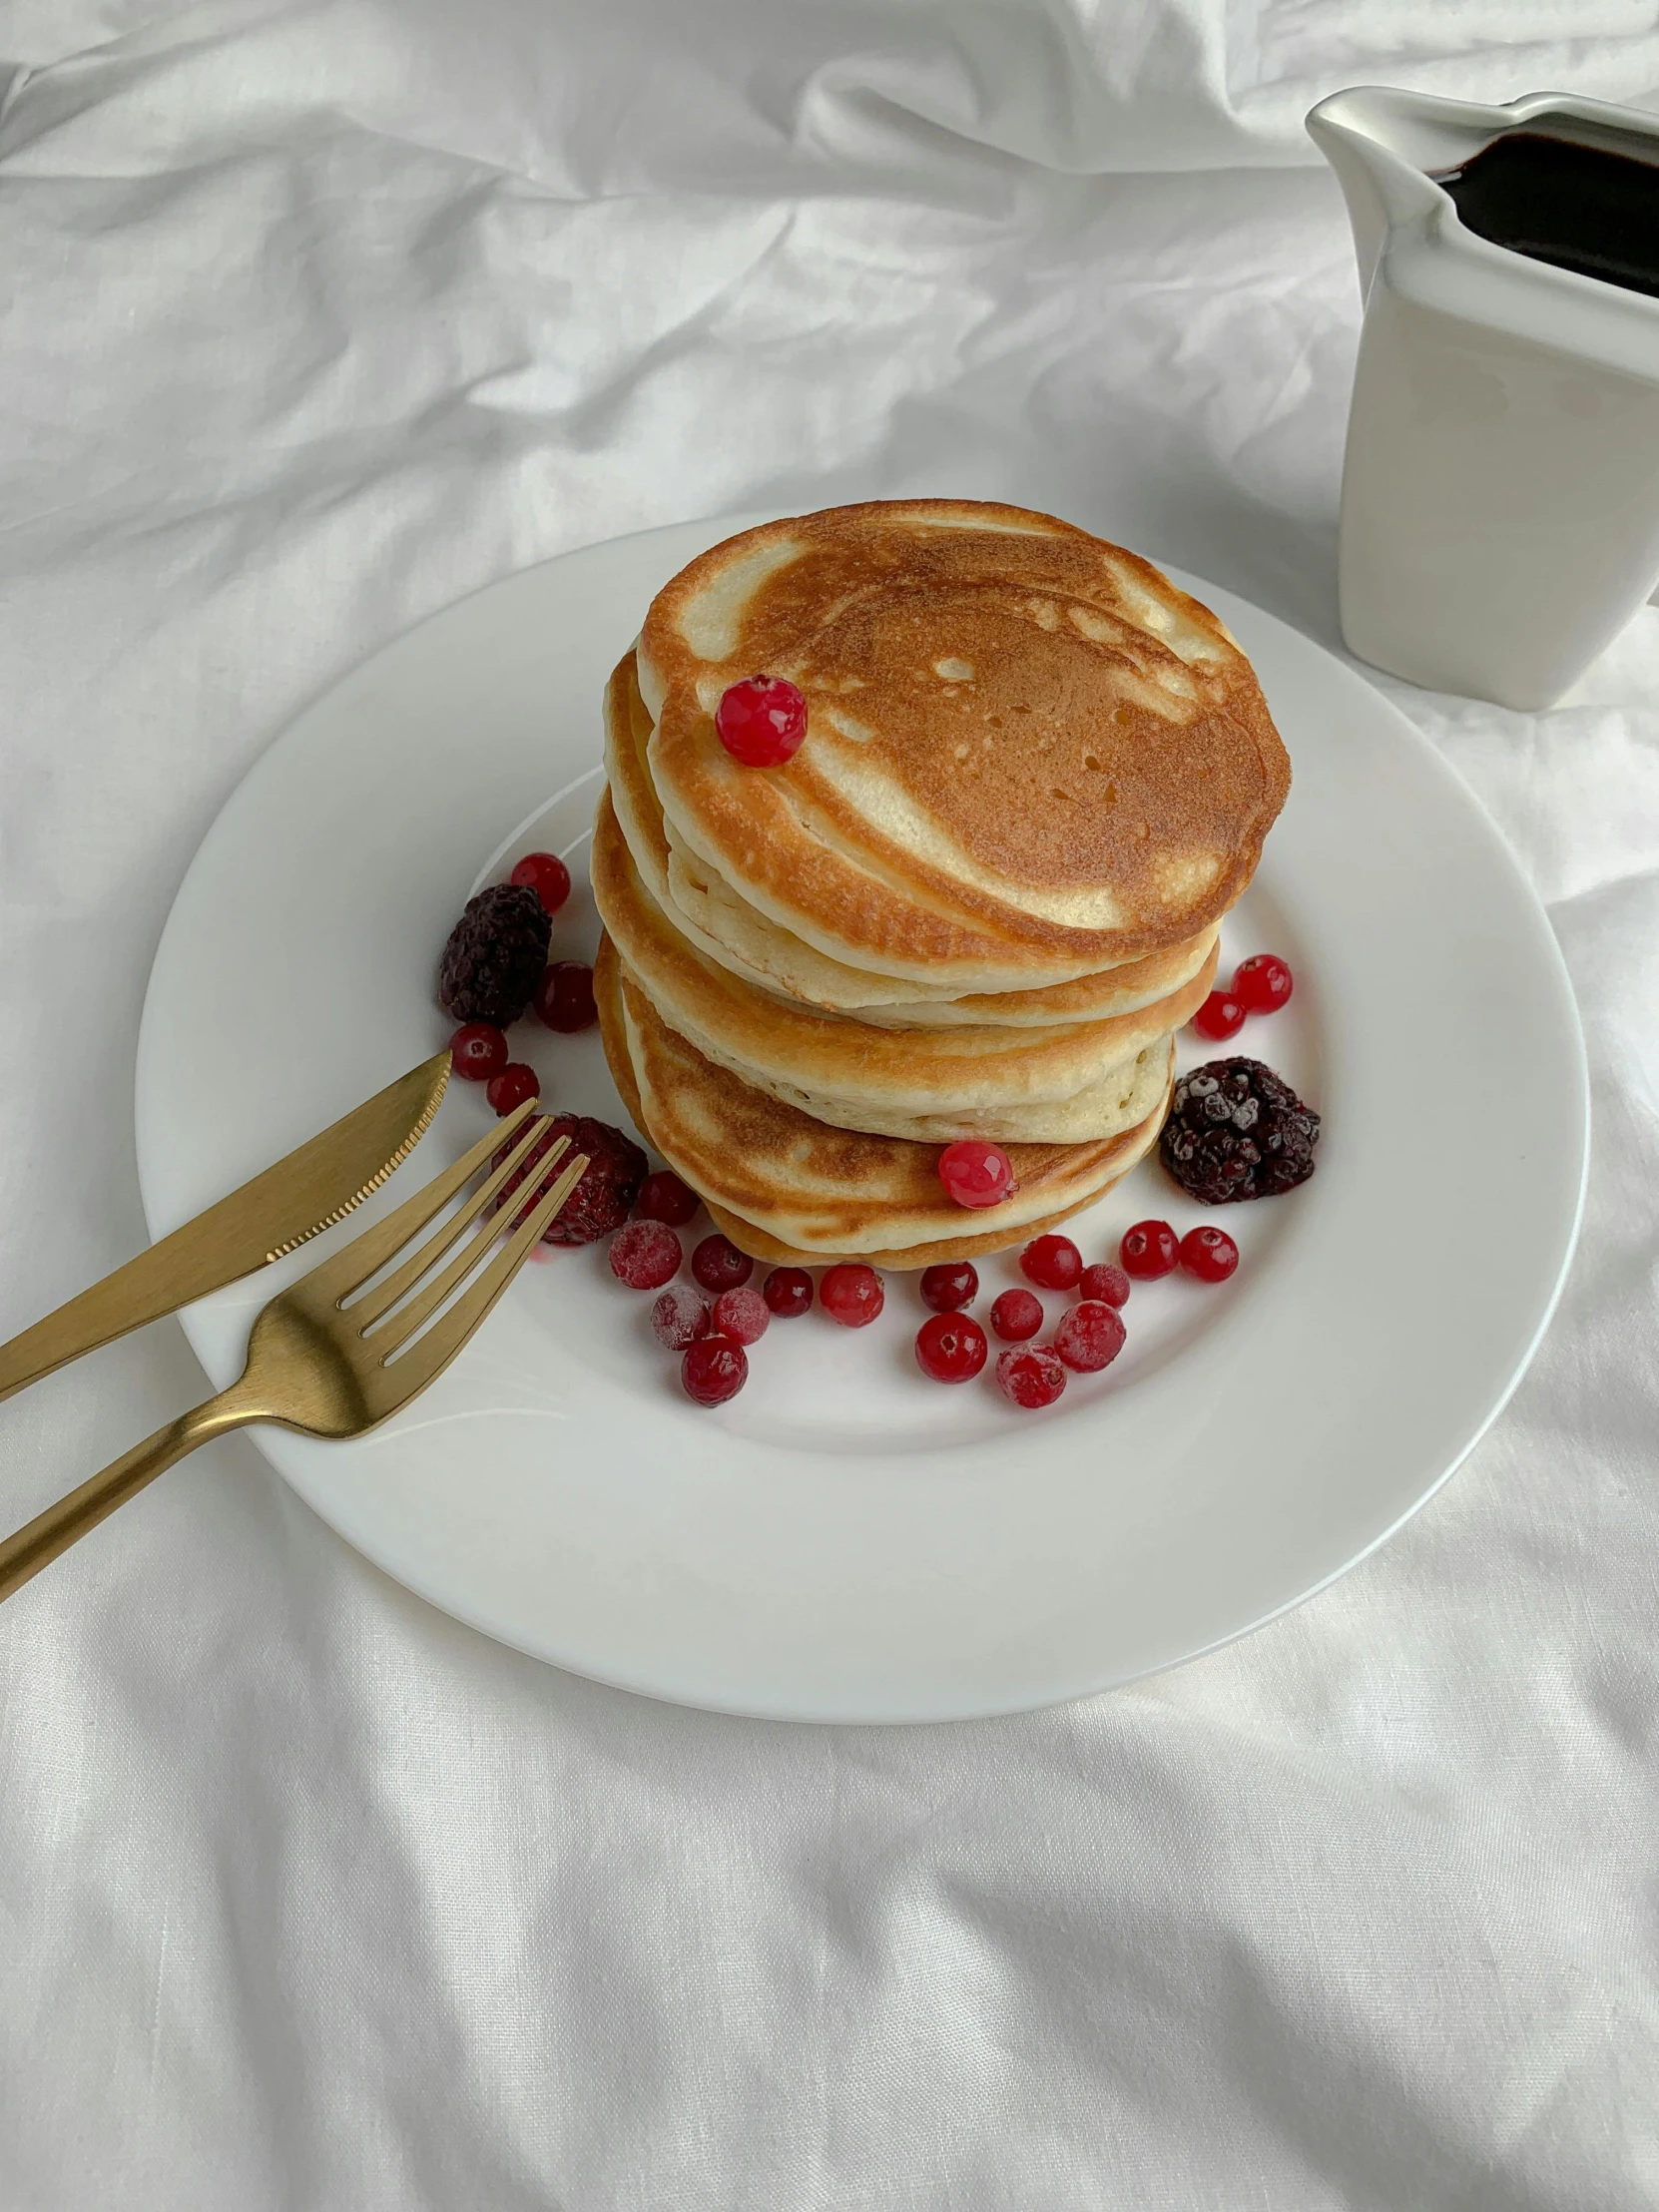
(323, 314)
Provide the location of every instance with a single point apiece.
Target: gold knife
(285, 1207)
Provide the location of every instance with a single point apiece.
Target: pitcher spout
(1383, 145)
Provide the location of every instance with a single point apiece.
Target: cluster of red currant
(480, 1051)
(953, 1347)
(713, 1319)
(1260, 985)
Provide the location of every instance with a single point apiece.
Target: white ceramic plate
(845, 1541)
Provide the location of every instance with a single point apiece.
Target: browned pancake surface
(1060, 714)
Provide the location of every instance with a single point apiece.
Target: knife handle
(52, 1531)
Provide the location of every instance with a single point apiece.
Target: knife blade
(304, 1193)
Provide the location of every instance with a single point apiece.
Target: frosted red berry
(1031, 1374)
(547, 876)
(951, 1347)
(762, 721)
(512, 1086)
(1149, 1249)
(787, 1291)
(1090, 1335)
(851, 1293)
(1220, 1016)
(680, 1317)
(975, 1172)
(610, 1182)
(1016, 1314)
(949, 1285)
(713, 1370)
(478, 1050)
(1052, 1262)
(741, 1314)
(1262, 983)
(644, 1255)
(564, 997)
(719, 1266)
(1210, 1254)
(663, 1197)
(1105, 1281)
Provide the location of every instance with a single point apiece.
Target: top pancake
(712, 916)
(1029, 756)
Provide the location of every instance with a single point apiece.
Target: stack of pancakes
(978, 902)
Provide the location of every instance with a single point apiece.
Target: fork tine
(367, 1309)
(423, 1360)
(401, 1324)
(366, 1254)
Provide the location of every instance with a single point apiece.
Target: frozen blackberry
(1235, 1130)
(610, 1181)
(495, 955)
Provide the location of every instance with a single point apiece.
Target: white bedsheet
(321, 316)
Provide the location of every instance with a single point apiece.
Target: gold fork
(339, 1352)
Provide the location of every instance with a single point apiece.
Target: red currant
(1052, 1262)
(719, 1266)
(644, 1255)
(949, 1285)
(1148, 1249)
(1262, 983)
(951, 1347)
(663, 1197)
(851, 1293)
(547, 875)
(976, 1173)
(680, 1317)
(1210, 1254)
(787, 1291)
(741, 1314)
(478, 1050)
(1105, 1281)
(564, 997)
(713, 1370)
(1031, 1374)
(1220, 1016)
(1016, 1314)
(1090, 1335)
(762, 721)
(512, 1086)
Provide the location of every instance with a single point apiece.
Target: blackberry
(495, 955)
(608, 1186)
(1235, 1130)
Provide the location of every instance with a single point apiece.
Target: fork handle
(41, 1540)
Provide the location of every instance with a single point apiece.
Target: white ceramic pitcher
(1500, 490)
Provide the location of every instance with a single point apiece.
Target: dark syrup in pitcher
(1580, 207)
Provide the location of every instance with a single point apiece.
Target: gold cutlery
(288, 1204)
(348, 1345)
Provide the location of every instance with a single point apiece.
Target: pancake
(772, 1253)
(821, 1192)
(1061, 1084)
(1029, 756)
(714, 919)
